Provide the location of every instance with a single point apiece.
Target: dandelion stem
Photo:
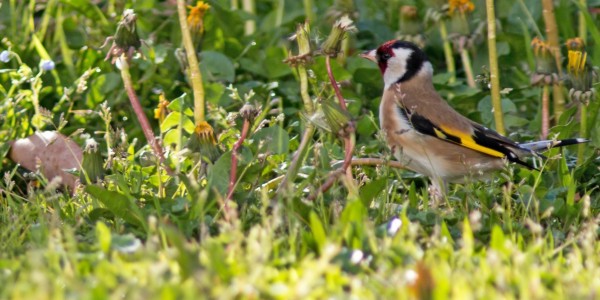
(494, 73)
(552, 37)
(582, 30)
(234, 160)
(450, 65)
(308, 10)
(303, 49)
(466, 61)
(349, 141)
(195, 75)
(545, 111)
(250, 25)
(334, 84)
(582, 132)
(139, 111)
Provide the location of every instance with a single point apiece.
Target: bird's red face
(381, 55)
(397, 60)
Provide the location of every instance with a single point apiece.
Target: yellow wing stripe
(466, 140)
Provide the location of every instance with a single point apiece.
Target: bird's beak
(370, 55)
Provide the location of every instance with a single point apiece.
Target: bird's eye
(385, 56)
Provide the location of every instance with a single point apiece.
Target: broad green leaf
(119, 204)
(372, 190)
(272, 139)
(318, 230)
(173, 119)
(216, 66)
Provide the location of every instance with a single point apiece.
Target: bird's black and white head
(400, 61)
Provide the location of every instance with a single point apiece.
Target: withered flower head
(408, 11)
(249, 112)
(126, 40)
(411, 27)
(91, 164)
(545, 65)
(338, 120)
(333, 43)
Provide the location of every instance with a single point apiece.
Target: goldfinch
(427, 135)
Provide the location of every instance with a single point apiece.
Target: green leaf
(216, 66)
(173, 119)
(119, 204)
(372, 190)
(497, 240)
(89, 9)
(218, 174)
(318, 230)
(103, 236)
(468, 242)
(272, 139)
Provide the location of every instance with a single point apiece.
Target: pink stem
(234, 159)
(334, 83)
(141, 116)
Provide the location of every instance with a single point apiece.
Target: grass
(142, 233)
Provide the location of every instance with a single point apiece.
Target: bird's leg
(437, 191)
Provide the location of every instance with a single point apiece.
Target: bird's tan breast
(426, 154)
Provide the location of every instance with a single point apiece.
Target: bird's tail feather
(545, 145)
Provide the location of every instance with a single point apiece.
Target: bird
(427, 136)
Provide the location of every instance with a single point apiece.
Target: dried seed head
(126, 40)
(546, 72)
(91, 165)
(333, 43)
(249, 112)
(338, 120)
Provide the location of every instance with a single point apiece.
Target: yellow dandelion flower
(462, 6)
(161, 110)
(575, 44)
(205, 132)
(196, 17)
(577, 59)
(539, 46)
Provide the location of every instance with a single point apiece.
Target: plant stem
(494, 73)
(545, 111)
(139, 111)
(466, 61)
(299, 157)
(195, 75)
(303, 49)
(250, 25)
(582, 30)
(450, 65)
(349, 140)
(582, 131)
(583, 111)
(234, 160)
(308, 10)
(279, 12)
(334, 84)
(552, 37)
(377, 162)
